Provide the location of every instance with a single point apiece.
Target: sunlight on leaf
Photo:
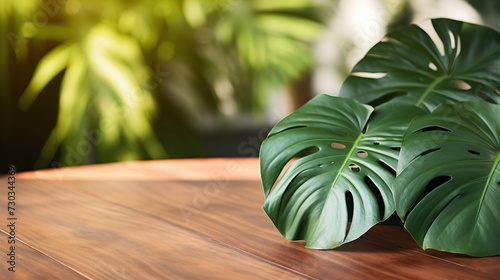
(48, 67)
(290, 26)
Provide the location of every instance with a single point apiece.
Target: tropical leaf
(409, 66)
(272, 40)
(353, 160)
(448, 185)
(105, 78)
(48, 67)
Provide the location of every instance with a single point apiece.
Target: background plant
(129, 79)
(212, 69)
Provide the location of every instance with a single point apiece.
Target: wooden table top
(190, 219)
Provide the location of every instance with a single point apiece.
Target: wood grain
(105, 240)
(153, 220)
(32, 264)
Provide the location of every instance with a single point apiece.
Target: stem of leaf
(430, 88)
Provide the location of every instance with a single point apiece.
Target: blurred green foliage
(131, 76)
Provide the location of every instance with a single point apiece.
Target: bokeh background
(94, 81)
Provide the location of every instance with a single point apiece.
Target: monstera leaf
(349, 154)
(408, 66)
(448, 185)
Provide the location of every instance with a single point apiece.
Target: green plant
(412, 68)
(448, 185)
(445, 182)
(138, 74)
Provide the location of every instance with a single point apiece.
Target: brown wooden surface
(191, 219)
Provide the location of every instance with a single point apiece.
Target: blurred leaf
(104, 68)
(280, 5)
(70, 108)
(48, 67)
(194, 13)
(271, 41)
(222, 58)
(289, 26)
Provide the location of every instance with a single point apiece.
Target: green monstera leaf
(448, 185)
(409, 66)
(349, 156)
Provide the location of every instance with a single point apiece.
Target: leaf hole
(354, 168)
(461, 85)
(341, 132)
(388, 168)
(452, 39)
(286, 129)
(459, 46)
(473, 152)
(432, 128)
(436, 182)
(302, 153)
(378, 195)
(307, 152)
(429, 151)
(338, 146)
(395, 148)
(369, 75)
(432, 185)
(387, 97)
(428, 28)
(350, 205)
(432, 66)
(376, 143)
(362, 154)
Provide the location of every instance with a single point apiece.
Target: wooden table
(190, 219)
